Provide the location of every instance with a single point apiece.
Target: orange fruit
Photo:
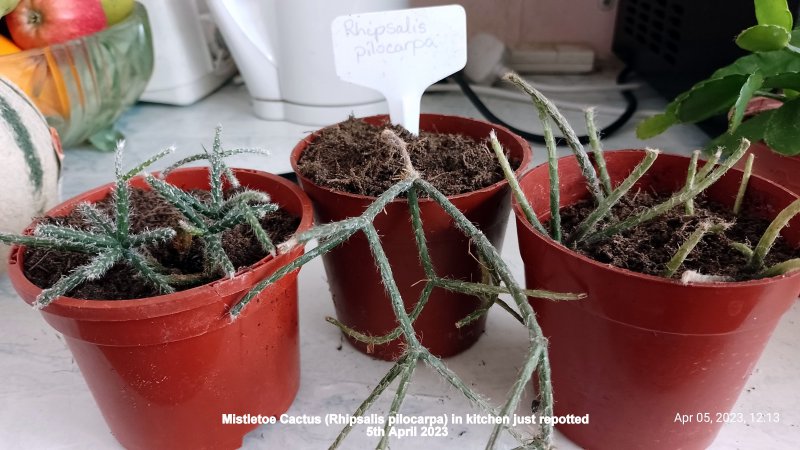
(7, 46)
(38, 75)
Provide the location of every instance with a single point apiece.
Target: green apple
(6, 6)
(116, 10)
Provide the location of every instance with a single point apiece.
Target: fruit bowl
(83, 85)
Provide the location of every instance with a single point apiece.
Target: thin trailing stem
(607, 203)
(402, 388)
(72, 234)
(391, 286)
(350, 225)
(239, 215)
(215, 169)
(394, 334)
(476, 399)
(139, 168)
(552, 169)
(204, 156)
(587, 169)
(744, 249)
(691, 242)
(44, 242)
(92, 270)
(324, 247)
(122, 200)
(244, 197)
(771, 234)
(534, 359)
(781, 268)
(703, 182)
(475, 290)
(516, 190)
(216, 256)
(690, 178)
(478, 313)
(487, 289)
(455, 381)
(191, 208)
(261, 236)
(384, 383)
(536, 338)
(419, 233)
(147, 272)
(709, 165)
(748, 169)
(95, 218)
(597, 149)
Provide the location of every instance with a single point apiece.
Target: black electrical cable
(630, 109)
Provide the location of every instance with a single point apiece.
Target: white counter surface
(45, 404)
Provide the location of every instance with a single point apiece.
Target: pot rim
(298, 150)
(175, 302)
(645, 277)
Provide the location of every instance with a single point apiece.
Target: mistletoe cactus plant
(604, 197)
(536, 359)
(679, 259)
(208, 220)
(138, 276)
(772, 70)
(109, 240)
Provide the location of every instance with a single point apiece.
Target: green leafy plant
(772, 71)
(536, 360)
(605, 196)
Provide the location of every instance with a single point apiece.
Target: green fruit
(6, 6)
(116, 10)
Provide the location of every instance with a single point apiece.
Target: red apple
(39, 23)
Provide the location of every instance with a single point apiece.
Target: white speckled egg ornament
(30, 163)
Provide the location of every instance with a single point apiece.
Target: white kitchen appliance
(191, 59)
(285, 54)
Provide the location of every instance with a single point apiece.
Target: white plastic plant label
(400, 53)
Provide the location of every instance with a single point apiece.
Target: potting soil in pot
(183, 255)
(648, 247)
(352, 157)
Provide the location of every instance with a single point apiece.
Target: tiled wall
(589, 22)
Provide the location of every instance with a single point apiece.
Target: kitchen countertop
(46, 404)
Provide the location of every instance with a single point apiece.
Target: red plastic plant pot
(165, 369)
(641, 349)
(358, 294)
(781, 169)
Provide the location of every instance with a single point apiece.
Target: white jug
(284, 52)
